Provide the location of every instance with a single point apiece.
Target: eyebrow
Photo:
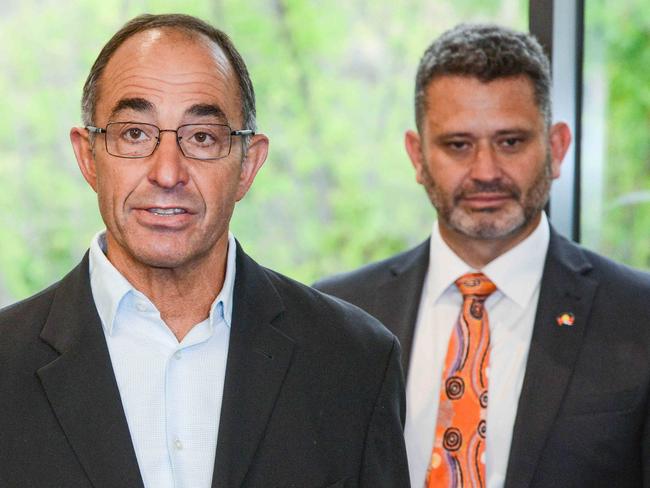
(501, 132)
(135, 104)
(442, 138)
(206, 110)
(515, 130)
(138, 104)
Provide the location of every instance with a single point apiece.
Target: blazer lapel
(81, 387)
(258, 359)
(565, 288)
(398, 297)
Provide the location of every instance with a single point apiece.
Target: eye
(511, 143)
(135, 134)
(457, 145)
(202, 138)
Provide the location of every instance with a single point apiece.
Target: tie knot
(475, 284)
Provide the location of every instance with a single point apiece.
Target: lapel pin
(567, 318)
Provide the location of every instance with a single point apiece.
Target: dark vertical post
(580, 55)
(540, 23)
(559, 26)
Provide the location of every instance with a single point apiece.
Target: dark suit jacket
(583, 418)
(313, 395)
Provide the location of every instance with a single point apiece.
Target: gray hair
(184, 23)
(486, 52)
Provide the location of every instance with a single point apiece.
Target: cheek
(106, 200)
(532, 170)
(114, 187)
(444, 170)
(450, 179)
(218, 192)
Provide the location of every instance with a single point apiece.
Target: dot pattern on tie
(458, 458)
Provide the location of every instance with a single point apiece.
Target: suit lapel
(258, 359)
(81, 387)
(565, 288)
(398, 297)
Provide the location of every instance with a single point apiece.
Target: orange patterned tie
(458, 457)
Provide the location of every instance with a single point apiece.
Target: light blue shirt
(171, 392)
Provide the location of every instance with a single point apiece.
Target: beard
(491, 223)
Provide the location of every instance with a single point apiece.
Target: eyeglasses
(196, 141)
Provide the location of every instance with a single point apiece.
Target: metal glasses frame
(104, 130)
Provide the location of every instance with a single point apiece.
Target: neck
(183, 295)
(479, 252)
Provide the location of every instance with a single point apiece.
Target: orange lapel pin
(567, 318)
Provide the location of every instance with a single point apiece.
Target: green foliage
(621, 30)
(334, 85)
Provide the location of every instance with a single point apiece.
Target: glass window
(615, 206)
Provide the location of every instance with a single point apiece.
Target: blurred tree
(617, 57)
(334, 85)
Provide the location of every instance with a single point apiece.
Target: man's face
(165, 210)
(485, 157)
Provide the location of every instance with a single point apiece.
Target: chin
(163, 261)
(488, 225)
(163, 253)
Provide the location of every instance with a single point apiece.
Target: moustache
(486, 187)
(166, 198)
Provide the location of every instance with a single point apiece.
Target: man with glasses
(168, 357)
(528, 356)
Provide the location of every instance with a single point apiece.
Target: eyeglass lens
(137, 140)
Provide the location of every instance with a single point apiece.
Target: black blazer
(583, 418)
(313, 395)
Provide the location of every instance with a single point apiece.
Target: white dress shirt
(511, 311)
(171, 392)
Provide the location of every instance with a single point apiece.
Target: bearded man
(497, 301)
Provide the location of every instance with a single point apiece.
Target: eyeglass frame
(104, 130)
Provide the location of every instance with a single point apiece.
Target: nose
(169, 167)
(485, 166)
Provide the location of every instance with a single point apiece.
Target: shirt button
(178, 355)
(178, 445)
(141, 307)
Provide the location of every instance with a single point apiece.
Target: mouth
(164, 218)
(165, 212)
(486, 200)
(487, 196)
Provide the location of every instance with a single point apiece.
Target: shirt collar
(444, 265)
(516, 273)
(109, 287)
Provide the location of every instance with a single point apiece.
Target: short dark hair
(185, 24)
(486, 52)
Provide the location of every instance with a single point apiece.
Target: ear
(83, 151)
(559, 142)
(258, 149)
(413, 144)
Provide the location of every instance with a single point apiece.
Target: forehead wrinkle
(167, 78)
(205, 87)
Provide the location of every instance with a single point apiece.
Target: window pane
(616, 130)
